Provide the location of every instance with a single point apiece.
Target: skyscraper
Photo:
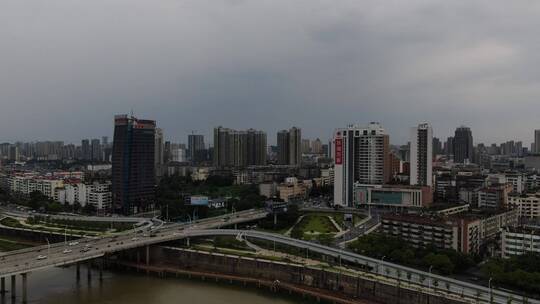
(283, 147)
(421, 164)
(196, 149)
(86, 151)
(536, 141)
(133, 180)
(105, 141)
(361, 155)
(289, 147)
(306, 146)
(437, 146)
(449, 146)
(158, 152)
(96, 150)
(463, 145)
(234, 148)
(316, 146)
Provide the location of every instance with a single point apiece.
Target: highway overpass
(33, 259)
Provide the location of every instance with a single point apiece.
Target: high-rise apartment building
(133, 179)
(86, 150)
(95, 148)
(463, 145)
(316, 146)
(361, 156)
(536, 141)
(437, 146)
(283, 147)
(306, 146)
(421, 164)
(289, 147)
(234, 148)
(449, 146)
(196, 149)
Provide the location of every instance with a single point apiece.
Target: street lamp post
(490, 289)
(429, 281)
(65, 235)
(48, 247)
(381, 265)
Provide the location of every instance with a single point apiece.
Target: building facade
(361, 155)
(133, 160)
(196, 148)
(392, 196)
(289, 147)
(518, 241)
(234, 148)
(463, 145)
(421, 163)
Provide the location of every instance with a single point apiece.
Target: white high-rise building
(421, 164)
(361, 156)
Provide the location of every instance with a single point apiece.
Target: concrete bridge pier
(187, 242)
(147, 255)
(3, 286)
(101, 270)
(13, 287)
(89, 273)
(24, 289)
(78, 271)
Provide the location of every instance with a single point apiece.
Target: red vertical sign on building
(339, 151)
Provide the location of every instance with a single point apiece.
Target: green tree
(439, 262)
(325, 239)
(297, 233)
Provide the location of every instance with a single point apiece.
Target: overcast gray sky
(67, 66)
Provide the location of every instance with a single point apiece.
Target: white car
(73, 243)
(134, 239)
(66, 251)
(41, 257)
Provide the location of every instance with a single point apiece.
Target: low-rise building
(527, 204)
(291, 189)
(200, 174)
(327, 177)
(494, 197)
(518, 241)
(469, 195)
(392, 196)
(465, 233)
(76, 192)
(268, 190)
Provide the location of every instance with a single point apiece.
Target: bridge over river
(24, 261)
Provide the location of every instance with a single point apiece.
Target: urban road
(59, 254)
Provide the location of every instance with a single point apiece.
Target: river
(58, 286)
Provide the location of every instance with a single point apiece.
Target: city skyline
(348, 62)
(272, 139)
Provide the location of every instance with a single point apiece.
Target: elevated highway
(33, 259)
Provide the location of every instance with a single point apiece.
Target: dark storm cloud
(66, 67)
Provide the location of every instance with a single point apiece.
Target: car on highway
(73, 243)
(41, 257)
(66, 251)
